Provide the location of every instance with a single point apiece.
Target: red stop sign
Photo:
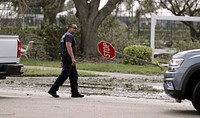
(106, 49)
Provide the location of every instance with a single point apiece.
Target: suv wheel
(196, 97)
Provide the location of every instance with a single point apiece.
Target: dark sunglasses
(74, 27)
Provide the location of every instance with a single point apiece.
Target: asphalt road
(16, 104)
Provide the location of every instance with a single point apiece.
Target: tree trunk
(90, 18)
(88, 44)
(184, 8)
(194, 35)
(50, 12)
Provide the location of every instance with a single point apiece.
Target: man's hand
(73, 62)
(61, 64)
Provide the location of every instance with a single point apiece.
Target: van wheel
(196, 97)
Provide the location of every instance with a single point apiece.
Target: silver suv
(182, 80)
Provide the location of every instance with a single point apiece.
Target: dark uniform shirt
(67, 37)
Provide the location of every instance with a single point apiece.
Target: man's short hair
(72, 25)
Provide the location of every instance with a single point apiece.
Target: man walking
(68, 63)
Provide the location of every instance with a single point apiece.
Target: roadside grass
(35, 62)
(122, 68)
(33, 72)
(103, 67)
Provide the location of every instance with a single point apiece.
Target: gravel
(113, 84)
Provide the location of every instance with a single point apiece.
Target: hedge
(137, 51)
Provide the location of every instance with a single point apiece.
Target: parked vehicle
(182, 80)
(10, 52)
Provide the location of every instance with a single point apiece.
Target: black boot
(54, 94)
(77, 95)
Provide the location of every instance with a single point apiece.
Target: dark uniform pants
(67, 71)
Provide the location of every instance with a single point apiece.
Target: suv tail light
(18, 48)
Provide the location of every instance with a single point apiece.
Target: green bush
(186, 45)
(137, 51)
(51, 36)
(25, 35)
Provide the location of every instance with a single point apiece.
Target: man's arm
(70, 52)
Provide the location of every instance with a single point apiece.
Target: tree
(90, 18)
(129, 6)
(70, 5)
(185, 8)
(50, 8)
(145, 6)
(148, 6)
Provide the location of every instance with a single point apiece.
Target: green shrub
(137, 51)
(25, 35)
(186, 45)
(51, 36)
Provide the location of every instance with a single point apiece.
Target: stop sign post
(106, 49)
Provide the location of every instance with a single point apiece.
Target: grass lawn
(104, 67)
(40, 73)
